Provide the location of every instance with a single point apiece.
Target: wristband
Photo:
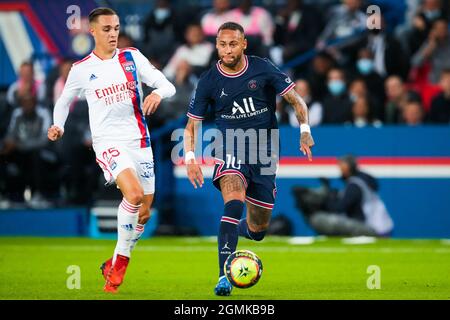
(189, 156)
(305, 128)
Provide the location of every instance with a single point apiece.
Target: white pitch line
(259, 249)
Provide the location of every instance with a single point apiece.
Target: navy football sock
(244, 231)
(228, 231)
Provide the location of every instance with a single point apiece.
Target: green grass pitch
(186, 268)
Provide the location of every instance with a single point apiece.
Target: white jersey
(113, 90)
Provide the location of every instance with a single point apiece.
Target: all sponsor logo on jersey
(248, 105)
(244, 110)
(129, 66)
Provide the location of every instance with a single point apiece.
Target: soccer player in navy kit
(241, 90)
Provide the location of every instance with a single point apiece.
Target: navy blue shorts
(260, 188)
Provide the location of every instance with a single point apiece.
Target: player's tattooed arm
(190, 134)
(301, 111)
(194, 171)
(300, 107)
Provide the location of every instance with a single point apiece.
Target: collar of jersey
(95, 55)
(236, 74)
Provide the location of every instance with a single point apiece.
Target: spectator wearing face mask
(337, 106)
(364, 69)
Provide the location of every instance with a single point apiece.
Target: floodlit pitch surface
(186, 268)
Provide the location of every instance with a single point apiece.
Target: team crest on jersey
(253, 85)
(129, 66)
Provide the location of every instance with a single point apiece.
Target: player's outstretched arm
(194, 171)
(301, 111)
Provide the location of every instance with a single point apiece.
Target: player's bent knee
(135, 196)
(235, 195)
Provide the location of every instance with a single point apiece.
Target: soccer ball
(243, 268)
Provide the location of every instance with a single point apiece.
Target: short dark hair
(101, 11)
(231, 26)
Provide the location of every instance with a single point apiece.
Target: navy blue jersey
(244, 100)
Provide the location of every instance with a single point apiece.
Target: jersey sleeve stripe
(289, 87)
(193, 116)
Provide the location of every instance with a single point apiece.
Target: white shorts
(113, 159)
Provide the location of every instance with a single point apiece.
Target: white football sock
(136, 235)
(127, 218)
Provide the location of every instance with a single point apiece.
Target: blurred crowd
(347, 73)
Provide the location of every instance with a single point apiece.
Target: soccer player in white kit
(110, 78)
